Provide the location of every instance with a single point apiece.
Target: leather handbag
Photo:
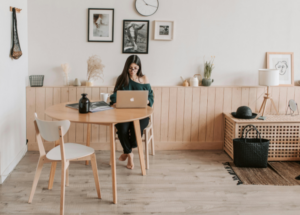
(251, 152)
(16, 51)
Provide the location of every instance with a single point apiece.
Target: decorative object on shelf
(251, 152)
(292, 108)
(208, 67)
(194, 81)
(18, 10)
(104, 96)
(146, 7)
(261, 118)
(185, 83)
(84, 104)
(36, 80)
(66, 69)
(284, 63)
(136, 36)
(268, 77)
(95, 70)
(101, 25)
(164, 30)
(16, 51)
(77, 82)
(244, 112)
(199, 78)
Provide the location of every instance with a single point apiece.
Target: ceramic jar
(89, 83)
(207, 82)
(77, 82)
(84, 104)
(194, 82)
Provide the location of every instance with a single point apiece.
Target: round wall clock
(146, 7)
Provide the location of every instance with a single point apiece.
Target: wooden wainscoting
(184, 117)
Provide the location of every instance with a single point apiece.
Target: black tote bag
(16, 51)
(251, 152)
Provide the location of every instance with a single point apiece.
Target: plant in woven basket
(94, 70)
(66, 69)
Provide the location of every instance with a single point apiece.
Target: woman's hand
(148, 102)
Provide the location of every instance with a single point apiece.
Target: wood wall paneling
(184, 117)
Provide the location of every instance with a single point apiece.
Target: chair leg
(36, 178)
(146, 150)
(152, 142)
(62, 191)
(67, 176)
(95, 172)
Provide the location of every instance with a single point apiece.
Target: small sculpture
(77, 82)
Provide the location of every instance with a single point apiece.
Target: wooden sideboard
(185, 118)
(283, 131)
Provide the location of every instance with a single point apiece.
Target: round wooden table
(109, 118)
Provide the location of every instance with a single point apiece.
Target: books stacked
(94, 106)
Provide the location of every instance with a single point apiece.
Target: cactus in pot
(208, 67)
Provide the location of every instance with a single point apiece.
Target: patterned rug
(277, 173)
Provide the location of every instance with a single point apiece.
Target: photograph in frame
(284, 62)
(135, 36)
(163, 30)
(100, 25)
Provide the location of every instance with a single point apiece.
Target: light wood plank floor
(178, 182)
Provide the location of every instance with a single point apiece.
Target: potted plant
(95, 70)
(208, 67)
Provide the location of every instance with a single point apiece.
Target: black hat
(244, 112)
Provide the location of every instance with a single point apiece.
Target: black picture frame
(140, 42)
(90, 21)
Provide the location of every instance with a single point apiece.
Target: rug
(277, 173)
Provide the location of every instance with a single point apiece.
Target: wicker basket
(36, 80)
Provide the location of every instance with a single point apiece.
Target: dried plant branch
(95, 68)
(208, 67)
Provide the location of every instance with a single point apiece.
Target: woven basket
(36, 80)
(251, 152)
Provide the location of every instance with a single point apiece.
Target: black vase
(84, 104)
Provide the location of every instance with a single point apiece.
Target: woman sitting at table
(131, 78)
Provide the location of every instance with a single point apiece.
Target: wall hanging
(101, 25)
(163, 30)
(284, 62)
(16, 51)
(135, 36)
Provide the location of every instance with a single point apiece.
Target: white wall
(237, 32)
(13, 75)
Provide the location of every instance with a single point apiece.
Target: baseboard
(13, 164)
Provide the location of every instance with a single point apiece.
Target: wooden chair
(64, 153)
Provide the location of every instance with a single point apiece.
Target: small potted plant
(95, 70)
(208, 67)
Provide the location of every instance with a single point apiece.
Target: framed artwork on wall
(164, 30)
(284, 62)
(100, 25)
(136, 36)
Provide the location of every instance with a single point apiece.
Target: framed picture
(284, 62)
(101, 25)
(164, 30)
(136, 36)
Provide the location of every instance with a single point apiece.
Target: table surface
(281, 118)
(61, 112)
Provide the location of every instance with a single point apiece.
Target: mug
(104, 96)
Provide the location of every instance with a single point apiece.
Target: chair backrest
(49, 129)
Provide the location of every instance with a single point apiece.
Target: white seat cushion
(72, 151)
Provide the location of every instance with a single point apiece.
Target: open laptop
(132, 99)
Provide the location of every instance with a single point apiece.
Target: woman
(131, 78)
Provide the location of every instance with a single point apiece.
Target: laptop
(132, 98)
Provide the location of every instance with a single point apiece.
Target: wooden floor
(178, 182)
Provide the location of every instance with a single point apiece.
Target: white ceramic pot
(194, 82)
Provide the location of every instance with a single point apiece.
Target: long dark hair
(123, 79)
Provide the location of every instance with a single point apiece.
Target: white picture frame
(284, 62)
(164, 30)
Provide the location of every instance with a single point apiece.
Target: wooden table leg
(88, 139)
(137, 130)
(52, 171)
(113, 162)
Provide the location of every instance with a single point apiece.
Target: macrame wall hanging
(16, 51)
